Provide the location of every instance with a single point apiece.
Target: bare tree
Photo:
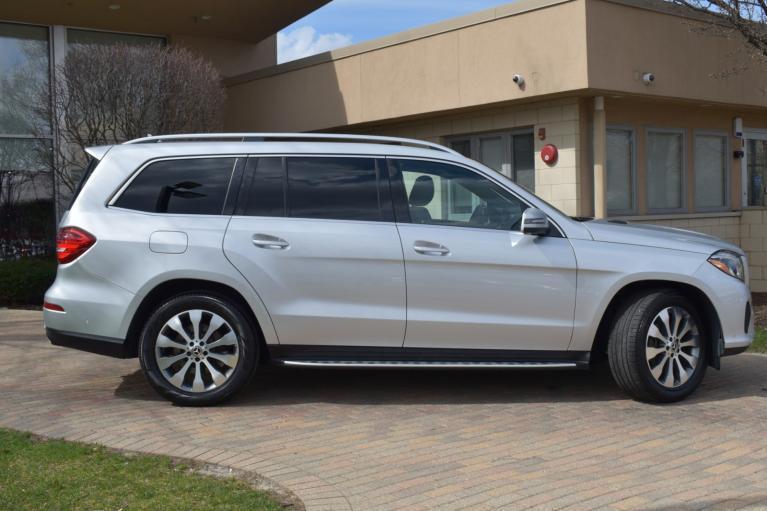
(110, 94)
(746, 19)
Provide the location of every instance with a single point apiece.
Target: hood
(612, 231)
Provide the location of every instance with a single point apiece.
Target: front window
(431, 195)
(665, 169)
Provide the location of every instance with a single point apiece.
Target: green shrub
(24, 282)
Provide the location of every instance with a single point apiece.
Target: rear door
(315, 237)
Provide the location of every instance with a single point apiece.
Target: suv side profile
(207, 255)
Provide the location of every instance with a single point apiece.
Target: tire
(202, 365)
(657, 350)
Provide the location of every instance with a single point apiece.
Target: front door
(315, 237)
(474, 281)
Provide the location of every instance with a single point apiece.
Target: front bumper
(731, 299)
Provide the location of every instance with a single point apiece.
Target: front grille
(748, 317)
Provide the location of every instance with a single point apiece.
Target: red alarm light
(549, 154)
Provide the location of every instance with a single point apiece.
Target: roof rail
(278, 137)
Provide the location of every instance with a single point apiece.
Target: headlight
(730, 263)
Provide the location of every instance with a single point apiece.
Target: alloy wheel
(197, 351)
(673, 347)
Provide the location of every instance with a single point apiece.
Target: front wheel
(657, 347)
(198, 349)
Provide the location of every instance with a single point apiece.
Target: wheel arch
(175, 287)
(703, 304)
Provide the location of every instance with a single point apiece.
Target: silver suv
(208, 255)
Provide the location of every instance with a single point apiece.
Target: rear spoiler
(99, 151)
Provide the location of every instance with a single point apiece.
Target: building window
(756, 168)
(511, 154)
(620, 171)
(665, 170)
(26, 183)
(710, 171)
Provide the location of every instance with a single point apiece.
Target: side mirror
(535, 222)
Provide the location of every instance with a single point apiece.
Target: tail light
(53, 307)
(71, 243)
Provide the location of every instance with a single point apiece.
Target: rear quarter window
(188, 186)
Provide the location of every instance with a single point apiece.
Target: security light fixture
(648, 78)
(114, 7)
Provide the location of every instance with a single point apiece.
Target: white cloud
(305, 41)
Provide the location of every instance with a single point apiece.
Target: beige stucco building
(664, 151)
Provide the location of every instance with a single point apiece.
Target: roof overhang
(243, 20)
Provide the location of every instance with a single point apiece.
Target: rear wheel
(198, 350)
(657, 347)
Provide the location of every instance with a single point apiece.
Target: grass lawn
(760, 341)
(54, 475)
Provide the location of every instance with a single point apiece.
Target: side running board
(438, 364)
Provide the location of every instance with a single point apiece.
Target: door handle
(430, 248)
(269, 242)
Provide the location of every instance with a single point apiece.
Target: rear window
(189, 186)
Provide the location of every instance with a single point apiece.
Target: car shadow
(276, 385)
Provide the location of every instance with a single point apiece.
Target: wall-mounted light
(737, 127)
(114, 7)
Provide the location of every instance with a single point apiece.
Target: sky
(344, 22)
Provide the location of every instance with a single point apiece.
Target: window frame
(748, 134)
(227, 208)
(48, 139)
(634, 181)
(727, 177)
(77, 28)
(683, 207)
(402, 209)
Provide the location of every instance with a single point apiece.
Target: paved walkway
(416, 439)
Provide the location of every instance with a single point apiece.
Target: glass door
(509, 153)
(755, 168)
(523, 159)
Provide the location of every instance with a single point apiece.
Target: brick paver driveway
(416, 439)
